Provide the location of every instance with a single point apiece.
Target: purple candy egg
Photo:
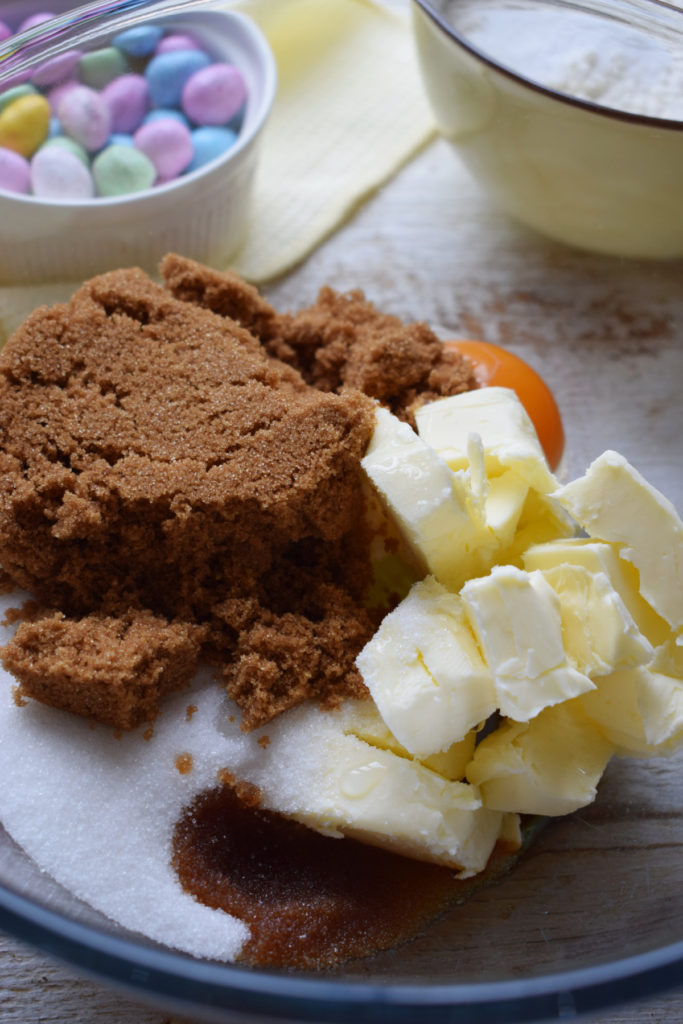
(168, 144)
(34, 20)
(56, 69)
(15, 172)
(213, 95)
(85, 117)
(177, 41)
(5, 31)
(56, 173)
(128, 99)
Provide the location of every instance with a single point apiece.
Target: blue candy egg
(167, 73)
(140, 41)
(162, 112)
(209, 143)
(120, 139)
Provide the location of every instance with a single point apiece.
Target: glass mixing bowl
(589, 917)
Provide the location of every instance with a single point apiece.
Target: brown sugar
(342, 340)
(114, 670)
(185, 461)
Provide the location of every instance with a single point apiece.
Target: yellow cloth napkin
(349, 111)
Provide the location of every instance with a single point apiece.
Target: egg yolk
(496, 367)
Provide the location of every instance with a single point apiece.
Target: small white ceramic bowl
(551, 106)
(202, 215)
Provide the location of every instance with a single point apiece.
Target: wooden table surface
(607, 335)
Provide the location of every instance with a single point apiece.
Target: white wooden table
(606, 334)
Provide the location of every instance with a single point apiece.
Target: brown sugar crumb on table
(185, 459)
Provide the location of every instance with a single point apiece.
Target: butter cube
(598, 631)
(549, 766)
(508, 435)
(435, 509)
(425, 673)
(362, 719)
(601, 557)
(516, 619)
(639, 710)
(613, 502)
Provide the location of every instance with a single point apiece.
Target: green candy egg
(119, 170)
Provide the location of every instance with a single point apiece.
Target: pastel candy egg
(161, 112)
(56, 69)
(214, 94)
(16, 93)
(15, 172)
(177, 41)
(57, 173)
(34, 20)
(70, 144)
(168, 144)
(25, 124)
(55, 95)
(121, 139)
(118, 170)
(208, 144)
(139, 41)
(127, 98)
(167, 73)
(99, 67)
(5, 31)
(85, 117)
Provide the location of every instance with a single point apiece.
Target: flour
(581, 54)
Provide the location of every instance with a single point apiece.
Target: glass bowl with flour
(570, 114)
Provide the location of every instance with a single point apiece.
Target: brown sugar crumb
(183, 763)
(111, 669)
(343, 340)
(18, 697)
(340, 341)
(190, 711)
(263, 741)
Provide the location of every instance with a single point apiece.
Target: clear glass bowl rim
(595, 7)
(165, 977)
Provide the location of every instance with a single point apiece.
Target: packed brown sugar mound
(173, 488)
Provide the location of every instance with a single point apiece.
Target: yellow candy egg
(25, 124)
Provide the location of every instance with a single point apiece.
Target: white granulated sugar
(97, 812)
(594, 59)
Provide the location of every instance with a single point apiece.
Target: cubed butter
(613, 502)
(436, 509)
(639, 710)
(600, 556)
(425, 672)
(508, 435)
(551, 765)
(516, 619)
(598, 631)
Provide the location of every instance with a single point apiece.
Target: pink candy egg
(213, 95)
(34, 20)
(168, 144)
(15, 172)
(85, 117)
(58, 92)
(177, 41)
(128, 99)
(5, 31)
